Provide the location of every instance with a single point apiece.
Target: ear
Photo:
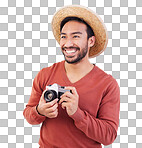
(91, 41)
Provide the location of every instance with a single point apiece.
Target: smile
(70, 51)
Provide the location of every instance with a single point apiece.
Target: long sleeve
(96, 120)
(102, 128)
(30, 113)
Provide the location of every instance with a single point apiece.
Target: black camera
(54, 91)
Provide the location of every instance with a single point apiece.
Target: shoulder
(100, 72)
(44, 74)
(50, 69)
(105, 77)
(108, 84)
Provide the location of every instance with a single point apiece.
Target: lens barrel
(50, 95)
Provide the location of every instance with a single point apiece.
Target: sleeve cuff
(78, 116)
(37, 111)
(38, 117)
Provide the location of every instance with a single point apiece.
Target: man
(88, 116)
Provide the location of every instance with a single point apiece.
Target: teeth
(70, 51)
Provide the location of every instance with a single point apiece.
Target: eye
(76, 36)
(63, 36)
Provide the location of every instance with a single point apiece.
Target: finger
(53, 114)
(64, 105)
(52, 109)
(67, 94)
(49, 104)
(73, 89)
(64, 99)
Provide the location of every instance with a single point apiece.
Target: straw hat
(91, 18)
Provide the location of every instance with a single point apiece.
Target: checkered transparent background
(27, 45)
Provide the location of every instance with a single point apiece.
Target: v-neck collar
(82, 81)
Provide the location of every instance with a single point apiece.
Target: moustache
(77, 48)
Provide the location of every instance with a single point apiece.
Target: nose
(68, 43)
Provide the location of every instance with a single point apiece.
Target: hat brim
(91, 18)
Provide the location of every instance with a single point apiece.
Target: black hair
(67, 19)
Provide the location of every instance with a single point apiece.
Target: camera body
(54, 91)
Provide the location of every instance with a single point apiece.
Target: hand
(70, 101)
(49, 109)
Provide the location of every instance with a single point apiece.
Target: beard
(79, 57)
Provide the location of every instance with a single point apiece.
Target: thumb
(42, 96)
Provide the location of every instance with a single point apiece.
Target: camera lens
(50, 95)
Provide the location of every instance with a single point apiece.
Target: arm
(31, 115)
(30, 112)
(102, 128)
(37, 110)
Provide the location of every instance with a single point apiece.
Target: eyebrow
(71, 33)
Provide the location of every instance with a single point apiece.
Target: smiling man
(74, 39)
(87, 115)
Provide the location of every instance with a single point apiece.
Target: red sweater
(94, 123)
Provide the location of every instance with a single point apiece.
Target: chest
(90, 97)
(74, 77)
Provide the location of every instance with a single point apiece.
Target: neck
(84, 66)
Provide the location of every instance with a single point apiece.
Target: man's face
(74, 42)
